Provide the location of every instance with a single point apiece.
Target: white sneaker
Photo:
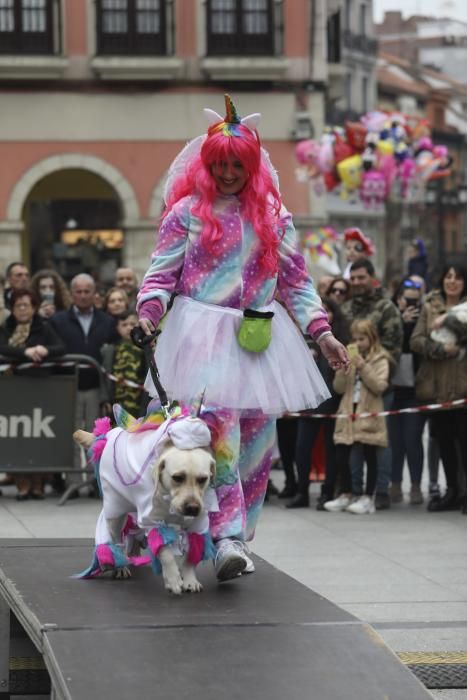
(339, 503)
(230, 559)
(250, 567)
(362, 506)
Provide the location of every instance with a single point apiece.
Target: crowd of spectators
(396, 364)
(42, 318)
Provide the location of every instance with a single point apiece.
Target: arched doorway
(74, 209)
(72, 220)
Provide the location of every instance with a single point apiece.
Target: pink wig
(260, 200)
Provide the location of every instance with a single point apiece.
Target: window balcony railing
(244, 28)
(30, 27)
(359, 42)
(135, 27)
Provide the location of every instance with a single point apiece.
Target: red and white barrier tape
(416, 409)
(427, 408)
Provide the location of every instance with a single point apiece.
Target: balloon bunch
(384, 155)
(320, 247)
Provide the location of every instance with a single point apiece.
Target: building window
(27, 26)
(334, 37)
(241, 27)
(348, 91)
(362, 20)
(364, 94)
(348, 15)
(135, 27)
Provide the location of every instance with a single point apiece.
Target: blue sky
(437, 8)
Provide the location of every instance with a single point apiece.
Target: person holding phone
(405, 429)
(52, 291)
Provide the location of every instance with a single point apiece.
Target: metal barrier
(37, 417)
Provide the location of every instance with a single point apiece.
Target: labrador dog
(154, 489)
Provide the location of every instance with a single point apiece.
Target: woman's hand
(36, 353)
(358, 361)
(334, 352)
(42, 350)
(46, 309)
(147, 326)
(410, 314)
(451, 350)
(439, 320)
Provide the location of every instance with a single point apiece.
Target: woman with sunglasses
(442, 377)
(339, 290)
(405, 429)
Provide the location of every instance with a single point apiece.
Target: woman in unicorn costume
(227, 246)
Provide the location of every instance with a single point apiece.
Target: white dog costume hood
(126, 466)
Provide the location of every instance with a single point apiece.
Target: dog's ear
(212, 467)
(157, 470)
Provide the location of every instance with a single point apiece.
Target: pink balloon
(373, 189)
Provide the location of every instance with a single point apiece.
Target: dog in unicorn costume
(155, 475)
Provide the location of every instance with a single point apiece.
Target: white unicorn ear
(212, 116)
(251, 121)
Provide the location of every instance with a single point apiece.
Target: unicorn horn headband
(217, 123)
(230, 123)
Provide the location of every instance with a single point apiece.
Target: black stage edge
(262, 637)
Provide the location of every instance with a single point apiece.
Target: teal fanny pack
(255, 332)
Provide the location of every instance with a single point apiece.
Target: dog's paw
(174, 585)
(192, 586)
(123, 572)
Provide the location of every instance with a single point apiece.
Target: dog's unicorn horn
(196, 406)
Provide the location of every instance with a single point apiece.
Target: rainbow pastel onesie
(198, 353)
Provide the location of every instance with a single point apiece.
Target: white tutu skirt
(198, 352)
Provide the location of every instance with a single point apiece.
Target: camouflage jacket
(383, 314)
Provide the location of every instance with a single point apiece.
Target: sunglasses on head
(410, 284)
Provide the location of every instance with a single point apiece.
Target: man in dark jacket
(369, 302)
(17, 277)
(84, 330)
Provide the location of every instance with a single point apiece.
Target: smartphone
(412, 302)
(47, 297)
(352, 350)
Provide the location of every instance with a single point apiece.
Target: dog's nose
(191, 509)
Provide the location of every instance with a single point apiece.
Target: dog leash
(144, 342)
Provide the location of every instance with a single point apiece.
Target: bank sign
(36, 422)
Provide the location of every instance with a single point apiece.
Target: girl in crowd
(443, 377)
(26, 337)
(50, 288)
(405, 429)
(358, 439)
(116, 302)
(227, 246)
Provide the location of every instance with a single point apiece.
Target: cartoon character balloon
(373, 189)
(385, 154)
